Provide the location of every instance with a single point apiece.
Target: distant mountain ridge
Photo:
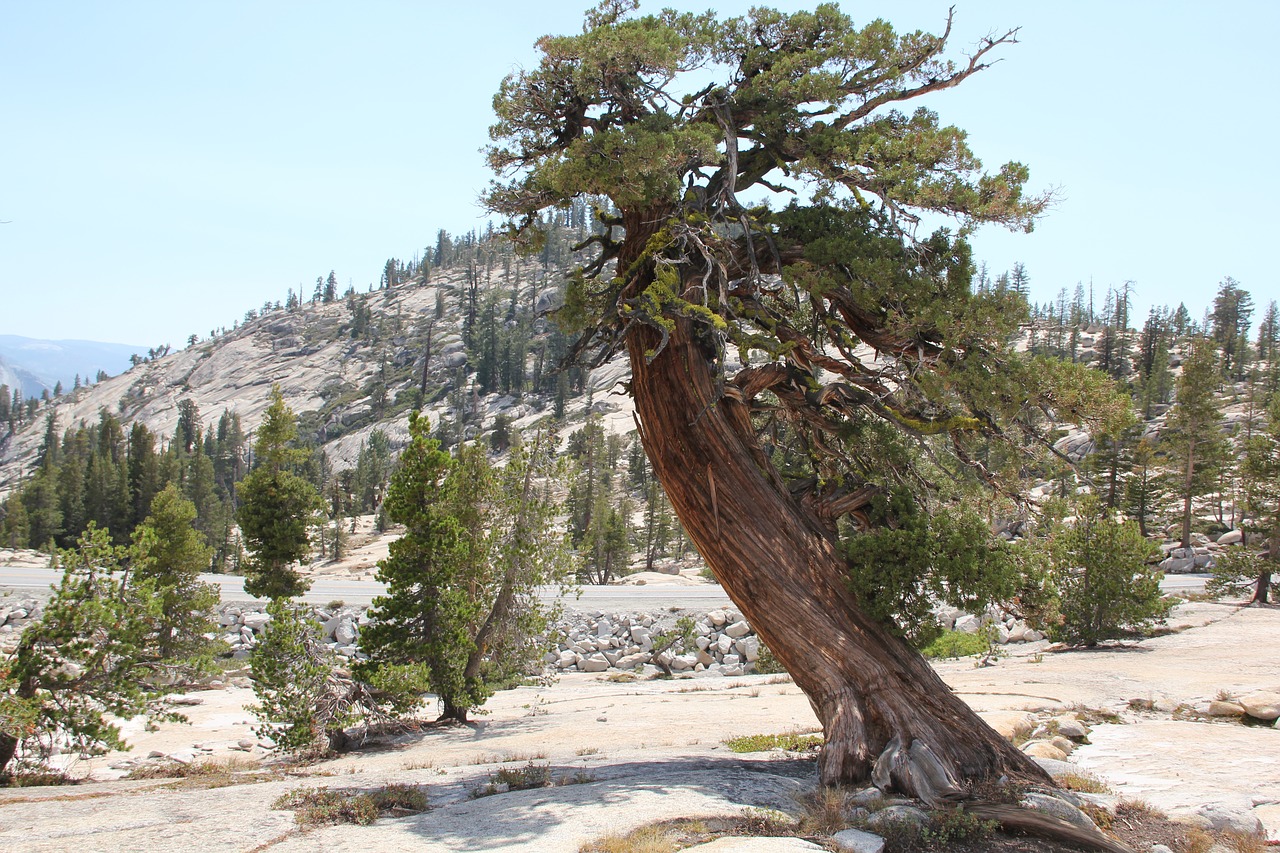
(34, 365)
(18, 379)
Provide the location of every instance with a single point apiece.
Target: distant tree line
(97, 474)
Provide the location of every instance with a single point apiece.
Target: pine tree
(295, 683)
(1249, 565)
(1191, 430)
(420, 626)
(170, 554)
(43, 508)
(808, 96)
(89, 655)
(1268, 346)
(1230, 315)
(461, 611)
(1106, 585)
(1144, 490)
(276, 505)
(15, 526)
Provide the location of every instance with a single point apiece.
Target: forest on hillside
(107, 472)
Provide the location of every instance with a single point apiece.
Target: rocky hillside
(355, 363)
(346, 367)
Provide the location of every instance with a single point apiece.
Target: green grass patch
(792, 742)
(956, 644)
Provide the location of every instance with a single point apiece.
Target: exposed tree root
(1013, 818)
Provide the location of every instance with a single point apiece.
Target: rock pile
(243, 626)
(14, 616)
(1007, 627)
(723, 644)
(1056, 738)
(1197, 558)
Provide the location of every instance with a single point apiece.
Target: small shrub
(901, 835)
(398, 800)
(1238, 842)
(36, 777)
(527, 777)
(957, 826)
(765, 822)
(520, 778)
(323, 806)
(193, 770)
(792, 742)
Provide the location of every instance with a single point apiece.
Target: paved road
(325, 590)
(608, 598)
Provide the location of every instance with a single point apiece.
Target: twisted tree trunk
(887, 716)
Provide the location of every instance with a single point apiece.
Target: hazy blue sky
(165, 166)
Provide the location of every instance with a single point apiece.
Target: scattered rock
(1066, 745)
(593, 663)
(1070, 727)
(858, 841)
(1222, 708)
(255, 621)
(1009, 724)
(887, 817)
(1044, 749)
(1220, 817)
(1262, 705)
(1057, 808)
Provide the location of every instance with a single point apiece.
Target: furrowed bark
(886, 714)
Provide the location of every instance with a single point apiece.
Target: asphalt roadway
(605, 598)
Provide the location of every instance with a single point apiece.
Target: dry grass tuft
(1083, 783)
(214, 773)
(646, 839)
(823, 811)
(323, 806)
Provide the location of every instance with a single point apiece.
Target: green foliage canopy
(1106, 585)
(461, 614)
(863, 353)
(92, 653)
(169, 554)
(276, 505)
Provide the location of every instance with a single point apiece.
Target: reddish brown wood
(781, 566)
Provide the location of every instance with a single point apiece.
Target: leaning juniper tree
(803, 377)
